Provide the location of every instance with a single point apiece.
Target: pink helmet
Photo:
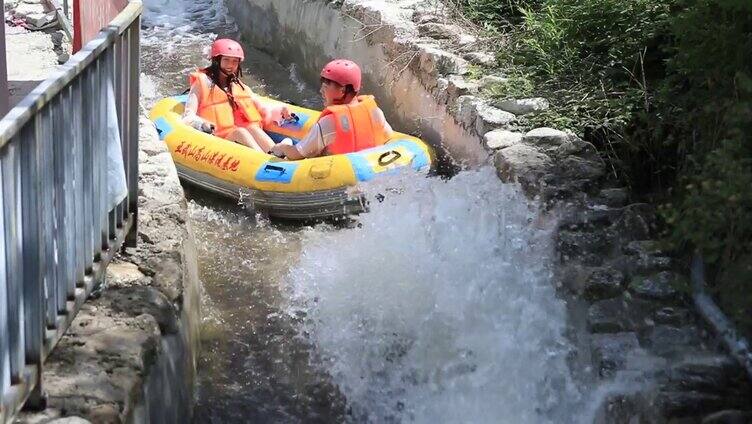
(343, 72)
(226, 47)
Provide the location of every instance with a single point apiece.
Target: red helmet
(226, 47)
(343, 72)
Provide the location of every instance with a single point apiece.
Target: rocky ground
(32, 55)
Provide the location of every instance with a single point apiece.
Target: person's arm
(313, 144)
(379, 115)
(269, 113)
(190, 113)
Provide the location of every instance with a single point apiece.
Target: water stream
(437, 306)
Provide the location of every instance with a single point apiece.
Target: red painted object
(90, 16)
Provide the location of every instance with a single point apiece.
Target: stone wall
(130, 354)
(640, 327)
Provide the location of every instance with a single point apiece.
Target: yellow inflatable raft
(309, 188)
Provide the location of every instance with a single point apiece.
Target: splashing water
(439, 307)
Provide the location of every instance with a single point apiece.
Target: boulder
(500, 139)
(424, 16)
(681, 404)
(610, 351)
(435, 61)
(439, 31)
(603, 283)
(647, 257)
(577, 168)
(669, 341)
(466, 39)
(458, 86)
(480, 58)
(467, 110)
(490, 118)
(708, 372)
(523, 164)
(638, 222)
(579, 243)
(614, 197)
(69, 420)
(547, 138)
(529, 106)
(643, 248)
(620, 314)
(661, 286)
(673, 315)
(492, 80)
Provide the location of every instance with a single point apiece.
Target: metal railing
(59, 230)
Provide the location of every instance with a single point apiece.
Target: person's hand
(285, 112)
(278, 151)
(207, 127)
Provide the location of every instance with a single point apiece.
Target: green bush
(495, 15)
(706, 102)
(592, 38)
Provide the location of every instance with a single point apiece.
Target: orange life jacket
(214, 105)
(356, 128)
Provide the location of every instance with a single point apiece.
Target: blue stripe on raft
(361, 167)
(277, 172)
(183, 98)
(163, 127)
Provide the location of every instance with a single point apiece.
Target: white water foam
(440, 307)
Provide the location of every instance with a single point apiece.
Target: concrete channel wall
(311, 33)
(431, 76)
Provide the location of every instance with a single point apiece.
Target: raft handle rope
(383, 161)
(279, 169)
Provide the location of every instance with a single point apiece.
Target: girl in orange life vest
(220, 104)
(348, 123)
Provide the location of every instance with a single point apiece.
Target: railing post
(50, 126)
(78, 234)
(4, 345)
(13, 254)
(87, 145)
(4, 95)
(61, 202)
(33, 253)
(132, 35)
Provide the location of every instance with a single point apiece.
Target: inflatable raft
(311, 188)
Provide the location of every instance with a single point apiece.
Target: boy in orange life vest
(220, 104)
(349, 122)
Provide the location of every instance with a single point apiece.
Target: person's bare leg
(244, 137)
(261, 138)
